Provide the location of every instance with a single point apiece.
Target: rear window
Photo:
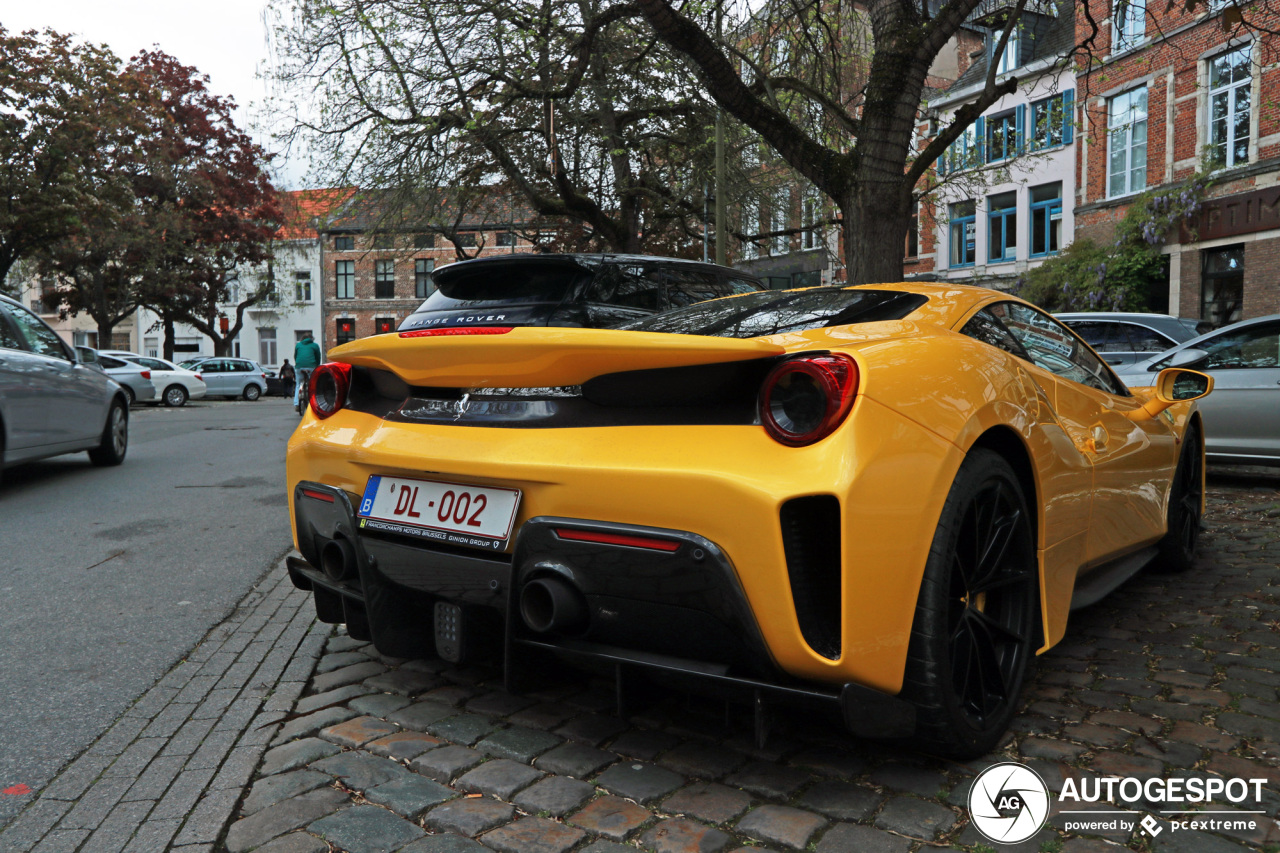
(501, 284)
(772, 312)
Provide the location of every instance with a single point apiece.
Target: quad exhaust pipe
(550, 604)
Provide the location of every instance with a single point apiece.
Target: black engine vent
(811, 540)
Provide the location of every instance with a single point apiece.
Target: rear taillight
(461, 330)
(199, 377)
(805, 398)
(146, 374)
(329, 385)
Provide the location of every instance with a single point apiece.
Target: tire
(1186, 497)
(115, 437)
(252, 392)
(175, 396)
(975, 619)
(131, 395)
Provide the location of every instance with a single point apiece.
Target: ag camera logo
(1008, 802)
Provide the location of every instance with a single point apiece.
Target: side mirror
(86, 355)
(1187, 357)
(1174, 385)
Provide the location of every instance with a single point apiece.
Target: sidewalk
(168, 774)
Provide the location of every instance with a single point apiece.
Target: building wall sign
(1244, 213)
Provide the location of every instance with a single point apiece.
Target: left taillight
(805, 398)
(146, 374)
(199, 377)
(329, 385)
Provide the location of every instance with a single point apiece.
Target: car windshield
(772, 312)
(502, 284)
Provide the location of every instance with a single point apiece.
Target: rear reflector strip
(462, 330)
(617, 539)
(320, 496)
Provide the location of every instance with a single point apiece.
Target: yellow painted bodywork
(926, 395)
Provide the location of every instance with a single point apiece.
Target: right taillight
(329, 385)
(805, 398)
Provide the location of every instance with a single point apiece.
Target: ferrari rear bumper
(629, 600)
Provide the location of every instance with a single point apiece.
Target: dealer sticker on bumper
(475, 516)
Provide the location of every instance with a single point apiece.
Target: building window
(964, 234)
(422, 269)
(1222, 285)
(1127, 143)
(384, 279)
(1009, 57)
(424, 241)
(85, 339)
(302, 286)
(344, 244)
(467, 240)
(1128, 23)
(965, 152)
(811, 212)
(1229, 91)
(151, 347)
(1052, 121)
(346, 330)
(1046, 219)
(913, 235)
(383, 241)
(1003, 134)
(267, 345)
(750, 227)
(780, 218)
(1002, 227)
(345, 277)
(506, 238)
(382, 325)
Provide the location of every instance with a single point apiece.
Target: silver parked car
(175, 384)
(1242, 415)
(50, 401)
(134, 378)
(230, 377)
(1126, 338)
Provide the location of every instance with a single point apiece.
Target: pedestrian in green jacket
(306, 358)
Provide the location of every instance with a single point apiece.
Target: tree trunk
(168, 337)
(105, 329)
(875, 233)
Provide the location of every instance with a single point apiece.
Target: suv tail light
(805, 398)
(329, 385)
(198, 376)
(146, 374)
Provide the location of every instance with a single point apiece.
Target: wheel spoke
(993, 626)
(993, 682)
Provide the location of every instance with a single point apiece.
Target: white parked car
(175, 384)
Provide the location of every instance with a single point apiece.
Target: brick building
(375, 274)
(1171, 94)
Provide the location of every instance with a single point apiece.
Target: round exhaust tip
(551, 604)
(338, 559)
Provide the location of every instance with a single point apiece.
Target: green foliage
(1089, 277)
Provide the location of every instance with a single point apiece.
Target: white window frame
(1128, 24)
(1229, 91)
(1008, 59)
(1121, 126)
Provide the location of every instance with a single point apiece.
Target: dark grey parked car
(1126, 337)
(50, 402)
(569, 290)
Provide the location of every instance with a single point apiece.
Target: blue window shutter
(941, 165)
(1068, 115)
(1020, 128)
(980, 132)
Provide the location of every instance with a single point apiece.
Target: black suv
(569, 290)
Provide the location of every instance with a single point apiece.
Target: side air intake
(811, 541)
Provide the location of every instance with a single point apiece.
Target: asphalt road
(108, 576)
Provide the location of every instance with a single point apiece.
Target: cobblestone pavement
(1170, 675)
(170, 772)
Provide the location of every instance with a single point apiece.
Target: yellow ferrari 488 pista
(884, 498)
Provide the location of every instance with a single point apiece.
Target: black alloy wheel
(975, 621)
(1186, 499)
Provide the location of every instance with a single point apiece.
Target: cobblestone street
(1170, 674)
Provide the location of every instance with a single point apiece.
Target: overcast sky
(225, 40)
